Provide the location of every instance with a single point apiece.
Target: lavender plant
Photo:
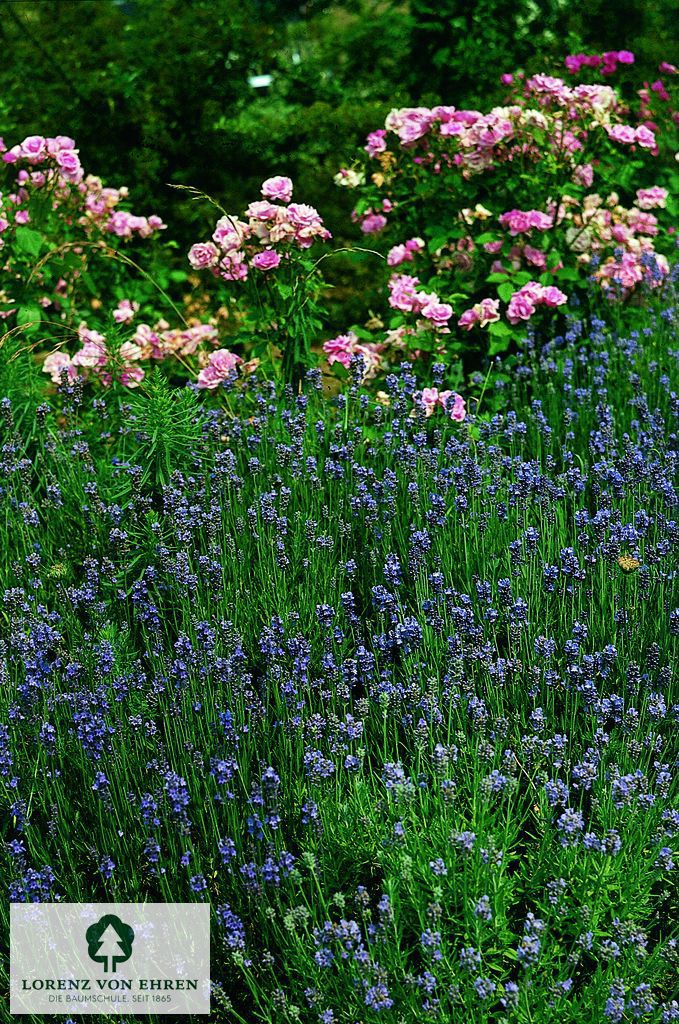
(394, 692)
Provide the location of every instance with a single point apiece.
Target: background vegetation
(148, 105)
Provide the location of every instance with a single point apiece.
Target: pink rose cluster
(404, 295)
(483, 313)
(404, 253)
(62, 174)
(162, 341)
(410, 123)
(621, 273)
(478, 142)
(346, 347)
(59, 151)
(607, 62)
(580, 101)
(452, 403)
(601, 226)
(545, 116)
(524, 221)
(124, 224)
(273, 228)
(629, 135)
(522, 304)
(652, 198)
(95, 358)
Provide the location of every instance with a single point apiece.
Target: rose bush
(266, 253)
(501, 215)
(54, 220)
(488, 222)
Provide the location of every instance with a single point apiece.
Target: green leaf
(29, 314)
(500, 329)
(505, 291)
(498, 345)
(567, 274)
(29, 241)
(438, 241)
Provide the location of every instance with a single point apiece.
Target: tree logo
(109, 942)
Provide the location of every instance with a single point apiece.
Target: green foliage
(95, 70)
(168, 426)
(20, 380)
(459, 49)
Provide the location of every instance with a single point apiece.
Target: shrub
(497, 214)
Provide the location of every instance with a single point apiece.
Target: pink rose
(375, 143)
(266, 260)
(125, 311)
(438, 312)
(552, 296)
(56, 364)
(373, 223)
(483, 313)
(59, 142)
(229, 233)
(233, 267)
(521, 307)
(535, 256)
(278, 187)
(430, 399)
(33, 148)
(488, 311)
(220, 366)
(203, 254)
(399, 254)
(69, 164)
(402, 292)
(645, 137)
(301, 215)
(468, 319)
(456, 410)
(341, 349)
(621, 133)
(262, 209)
